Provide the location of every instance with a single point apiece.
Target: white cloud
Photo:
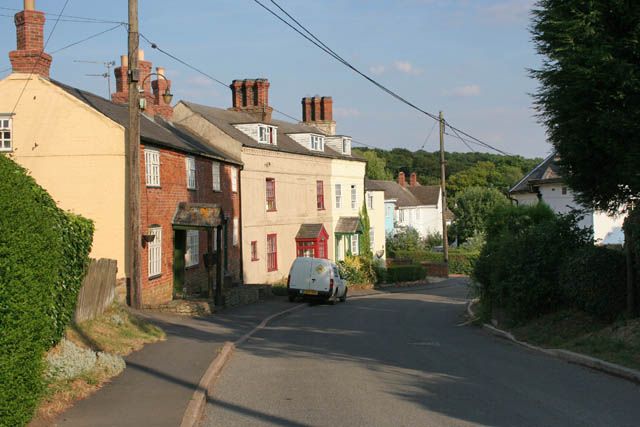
(510, 11)
(347, 112)
(406, 67)
(467, 90)
(377, 69)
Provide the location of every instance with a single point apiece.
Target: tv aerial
(106, 75)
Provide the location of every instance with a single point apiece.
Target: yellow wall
(75, 153)
(376, 220)
(346, 173)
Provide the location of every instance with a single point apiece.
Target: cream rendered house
(376, 210)
(288, 180)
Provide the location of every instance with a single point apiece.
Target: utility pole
(133, 160)
(445, 241)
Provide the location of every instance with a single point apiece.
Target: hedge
(43, 256)
(404, 273)
(460, 261)
(594, 281)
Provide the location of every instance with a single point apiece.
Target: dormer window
(346, 146)
(317, 143)
(267, 135)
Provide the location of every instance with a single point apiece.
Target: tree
(472, 207)
(376, 166)
(589, 99)
(365, 238)
(589, 96)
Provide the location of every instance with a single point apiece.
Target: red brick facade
(158, 206)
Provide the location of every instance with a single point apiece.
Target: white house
(544, 184)
(416, 206)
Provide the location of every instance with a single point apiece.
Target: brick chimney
(252, 97)
(318, 112)
(159, 86)
(413, 179)
(121, 96)
(29, 57)
(401, 180)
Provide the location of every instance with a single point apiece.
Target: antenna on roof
(106, 75)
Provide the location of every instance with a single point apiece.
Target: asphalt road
(402, 360)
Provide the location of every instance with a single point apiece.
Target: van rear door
(300, 274)
(320, 275)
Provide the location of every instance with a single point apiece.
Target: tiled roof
(419, 195)
(426, 194)
(155, 131)
(348, 225)
(309, 231)
(225, 119)
(548, 170)
(203, 215)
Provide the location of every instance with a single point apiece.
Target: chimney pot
(29, 4)
(401, 179)
(160, 71)
(124, 60)
(140, 55)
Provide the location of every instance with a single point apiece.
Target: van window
(336, 272)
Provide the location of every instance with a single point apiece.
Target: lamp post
(167, 96)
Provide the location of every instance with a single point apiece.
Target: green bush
(43, 254)
(405, 273)
(518, 268)
(358, 270)
(460, 261)
(594, 280)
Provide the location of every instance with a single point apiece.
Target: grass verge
(618, 342)
(117, 331)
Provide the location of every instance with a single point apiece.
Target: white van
(316, 278)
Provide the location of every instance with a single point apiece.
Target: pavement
(160, 379)
(403, 359)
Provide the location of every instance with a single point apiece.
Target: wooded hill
(463, 169)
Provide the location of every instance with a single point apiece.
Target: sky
(467, 58)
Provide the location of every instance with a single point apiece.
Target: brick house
(73, 144)
(302, 188)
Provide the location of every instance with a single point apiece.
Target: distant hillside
(463, 169)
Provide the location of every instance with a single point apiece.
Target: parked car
(315, 278)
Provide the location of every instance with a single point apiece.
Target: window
(152, 167)
(320, 195)
(234, 178)
(236, 232)
(417, 214)
(155, 252)
(193, 248)
(254, 251)
(5, 133)
(215, 174)
(191, 172)
(401, 215)
(271, 194)
(267, 135)
(317, 143)
(346, 146)
(355, 245)
(272, 252)
(338, 196)
(369, 201)
(313, 247)
(371, 237)
(354, 197)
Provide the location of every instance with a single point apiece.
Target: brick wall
(158, 206)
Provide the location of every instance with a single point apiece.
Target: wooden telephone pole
(445, 241)
(133, 160)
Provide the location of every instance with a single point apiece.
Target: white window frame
(401, 215)
(192, 253)
(190, 163)
(236, 231)
(215, 176)
(338, 196)
(370, 201)
(234, 179)
(154, 249)
(346, 146)
(6, 133)
(417, 214)
(267, 135)
(317, 143)
(152, 167)
(354, 197)
(372, 235)
(355, 245)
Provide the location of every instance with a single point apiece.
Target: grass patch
(117, 331)
(574, 330)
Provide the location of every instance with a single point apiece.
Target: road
(403, 360)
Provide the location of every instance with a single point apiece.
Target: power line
(53, 30)
(197, 70)
(463, 141)
(321, 45)
(428, 136)
(69, 18)
(93, 36)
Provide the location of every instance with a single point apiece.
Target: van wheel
(331, 301)
(292, 298)
(343, 298)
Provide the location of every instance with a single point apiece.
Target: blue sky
(468, 58)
